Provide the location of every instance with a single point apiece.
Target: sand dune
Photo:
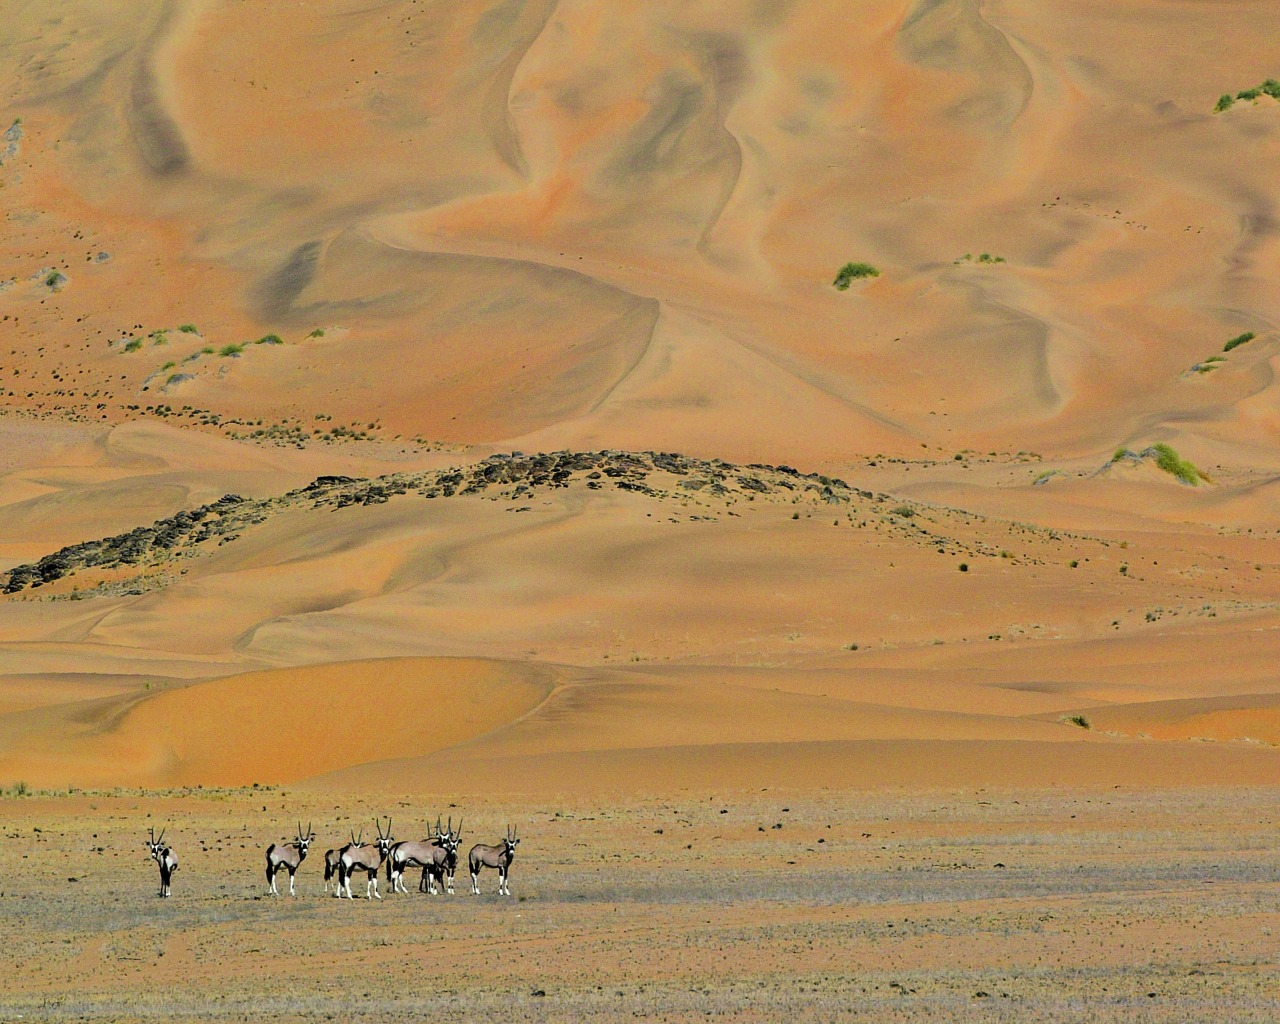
(275, 727)
(246, 249)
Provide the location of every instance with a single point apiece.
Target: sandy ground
(247, 245)
(976, 905)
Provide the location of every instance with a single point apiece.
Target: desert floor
(987, 905)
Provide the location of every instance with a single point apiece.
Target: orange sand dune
(274, 726)
(1248, 717)
(244, 249)
(597, 224)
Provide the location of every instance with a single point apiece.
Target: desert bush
(1079, 720)
(1225, 102)
(133, 344)
(230, 350)
(851, 272)
(906, 511)
(270, 339)
(189, 329)
(1171, 462)
(1238, 340)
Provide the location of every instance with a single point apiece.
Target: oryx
(165, 857)
(332, 859)
(432, 855)
(289, 857)
(364, 858)
(500, 857)
(440, 870)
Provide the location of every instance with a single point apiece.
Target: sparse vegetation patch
(1238, 340)
(1171, 462)
(1270, 87)
(851, 272)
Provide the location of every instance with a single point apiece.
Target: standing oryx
(289, 857)
(500, 857)
(165, 857)
(432, 855)
(364, 858)
(333, 861)
(440, 870)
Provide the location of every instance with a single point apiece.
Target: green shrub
(1225, 102)
(230, 350)
(1119, 454)
(1238, 340)
(317, 333)
(906, 511)
(1272, 88)
(1249, 94)
(1171, 462)
(851, 272)
(189, 329)
(133, 344)
(168, 366)
(1079, 720)
(270, 339)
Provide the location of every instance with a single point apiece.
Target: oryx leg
(372, 887)
(291, 892)
(271, 881)
(475, 883)
(502, 883)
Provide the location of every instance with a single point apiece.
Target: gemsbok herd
(436, 855)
